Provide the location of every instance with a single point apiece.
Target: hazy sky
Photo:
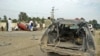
(89, 9)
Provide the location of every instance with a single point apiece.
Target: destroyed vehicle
(68, 37)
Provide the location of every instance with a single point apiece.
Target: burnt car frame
(68, 37)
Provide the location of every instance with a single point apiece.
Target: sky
(69, 9)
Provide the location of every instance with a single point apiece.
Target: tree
(29, 18)
(23, 16)
(38, 19)
(34, 19)
(95, 24)
(90, 22)
(5, 18)
(82, 18)
(14, 20)
(42, 20)
(0, 19)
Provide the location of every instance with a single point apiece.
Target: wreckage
(68, 37)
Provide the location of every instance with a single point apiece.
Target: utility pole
(52, 14)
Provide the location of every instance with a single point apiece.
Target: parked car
(68, 37)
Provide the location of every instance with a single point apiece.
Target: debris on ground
(4, 44)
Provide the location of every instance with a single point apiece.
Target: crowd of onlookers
(30, 26)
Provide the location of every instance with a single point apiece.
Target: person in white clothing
(30, 24)
(9, 24)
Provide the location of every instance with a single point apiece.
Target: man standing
(30, 25)
(9, 24)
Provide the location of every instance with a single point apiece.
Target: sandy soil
(20, 43)
(97, 42)
(24, 43)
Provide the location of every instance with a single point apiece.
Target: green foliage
(42, 20)
(38, 19)
(33, 18)
(23, 16)
(90, 22)
(14, 20)
(95, 24)
(4, 18)
(82, 18)
(0, 19)
(3, 21)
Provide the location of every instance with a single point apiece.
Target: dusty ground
(24, 43)
(97, 42)
(20, 43)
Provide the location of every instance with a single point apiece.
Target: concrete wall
(4, 24)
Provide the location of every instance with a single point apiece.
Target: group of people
(9, 25)
(30, 26)
(26, 27)
(35, 25)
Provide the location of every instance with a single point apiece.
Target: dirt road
(97, 42)
(21, 43)
(24, 43)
